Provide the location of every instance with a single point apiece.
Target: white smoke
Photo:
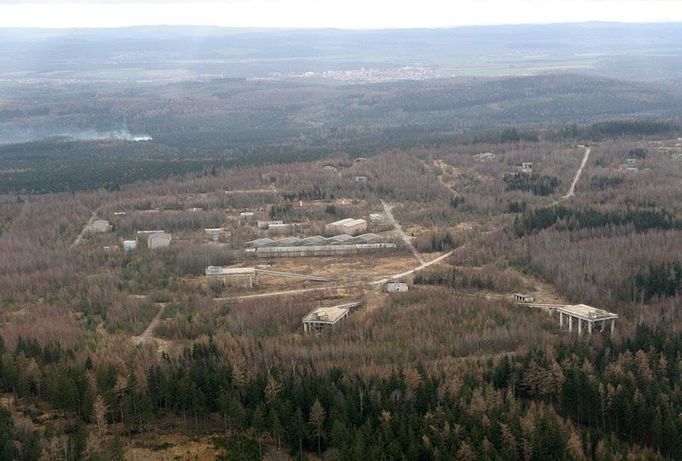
(92, 135)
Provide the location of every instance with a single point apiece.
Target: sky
(348, 14)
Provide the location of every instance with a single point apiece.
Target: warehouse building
(346, 226)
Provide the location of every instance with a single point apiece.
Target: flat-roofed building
(347, 226)
(266, 224)
(248, 275)
(246, 215)
(158, 240)
(396, 287)
(361, 179)
(324, 317)
(376, 217)
(282, 228)
(587, 316)
(523, 298)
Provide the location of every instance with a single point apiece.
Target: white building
(246, 215)
(361, 179)
(347, 226)
(267, 224)
(158, 240)
(376, 217)
(129, 245)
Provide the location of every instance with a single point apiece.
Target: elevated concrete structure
(588, 316)
(324, 317)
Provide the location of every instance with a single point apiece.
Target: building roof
(341, 238)
(219, 270)
(341, 222)
(329, 315)
(587, 312)
(260, 242)
(368, 237)
(288, 241)
(314, 240)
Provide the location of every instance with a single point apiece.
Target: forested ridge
(571, 401)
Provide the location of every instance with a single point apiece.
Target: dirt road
(398, 227)
(139, 340)
(571, 190)
(85, 229)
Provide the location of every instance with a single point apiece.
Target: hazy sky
(357, 14)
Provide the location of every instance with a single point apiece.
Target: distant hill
(626, 51)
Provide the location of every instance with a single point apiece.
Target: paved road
(398, 227)
(571, 190)
(150, 328)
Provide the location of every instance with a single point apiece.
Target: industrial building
(376, 217)
(526, 167)
(361, 179)
(346, 226)
(396, 287)
(588, 316)
(158, 240)
(317, 245)
(281, 228)
(99, 226)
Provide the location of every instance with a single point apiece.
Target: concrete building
(158, 240)
(523, 298)
(376, 217)
(347, 226)
(587, 317)
(246, 215)
(361, 179)
(266, 224)
(396, 287)
(100, 226)
(359, 160)
(129, 245)
(324, 317)
(282, 228)
(248, 275)
(526, 167)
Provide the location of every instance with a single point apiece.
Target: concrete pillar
(580, 327)
(613, 324)
(570, 323)
(602, 325)
(589, 327)
(561, 320)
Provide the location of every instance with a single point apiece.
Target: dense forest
(567, 402)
